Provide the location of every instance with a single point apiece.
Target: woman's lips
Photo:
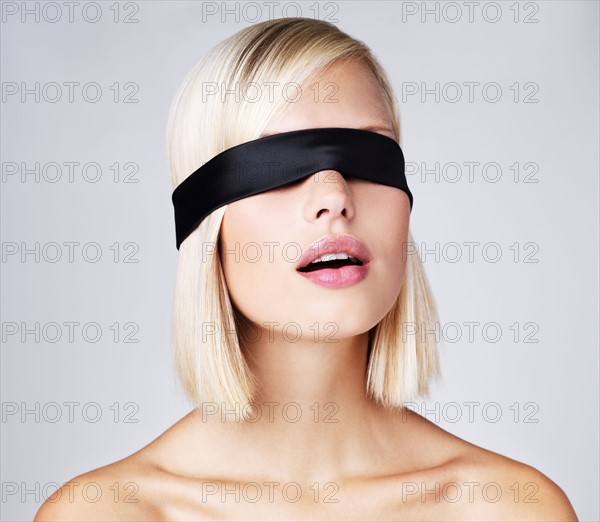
(342, 276)
(338, 277)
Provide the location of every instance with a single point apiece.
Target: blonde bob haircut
(217, 107)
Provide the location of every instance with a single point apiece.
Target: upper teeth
(332, 257)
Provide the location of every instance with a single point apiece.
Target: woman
(298, 376)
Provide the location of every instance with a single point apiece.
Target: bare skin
(321, 449)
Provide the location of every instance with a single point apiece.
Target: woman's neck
(308, 372)
(312, 420)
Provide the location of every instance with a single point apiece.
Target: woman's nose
(329, 194)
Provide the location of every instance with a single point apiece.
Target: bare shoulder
(112, 492)
(512, 490)
(497, 487)
(135, 488)
(468, 482)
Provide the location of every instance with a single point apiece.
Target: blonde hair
(200, 126)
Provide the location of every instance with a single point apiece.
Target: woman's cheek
(254, 271)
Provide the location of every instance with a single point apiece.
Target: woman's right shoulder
(138, 487)
(124, 490)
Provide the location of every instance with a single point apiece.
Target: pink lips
(336, 277)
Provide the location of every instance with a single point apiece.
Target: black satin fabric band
(273, 161)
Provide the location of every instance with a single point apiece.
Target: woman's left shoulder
(480, 484)
(506, 489)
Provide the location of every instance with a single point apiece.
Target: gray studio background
(546, 392)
